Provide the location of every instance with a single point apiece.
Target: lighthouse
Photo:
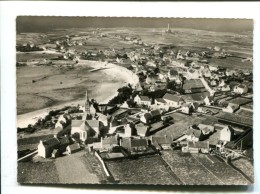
(168, 29)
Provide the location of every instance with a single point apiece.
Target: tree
(171, 85)
(156, 70)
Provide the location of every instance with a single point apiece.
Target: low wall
(103, 164)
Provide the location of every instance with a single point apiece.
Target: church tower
(87, 107)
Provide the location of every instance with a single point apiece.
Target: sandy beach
(103, 92)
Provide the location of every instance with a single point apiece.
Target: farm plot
(240, 101)
(245, 113)
(221, 170)
(188, 169)
(145, 170)
(245, 166)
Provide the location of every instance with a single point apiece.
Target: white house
(206, 72)
(221, 83)
(206, 129)
(193, 74)
(103, 119)
(173, 100)
(241, 89)
(196, 147)
(61, 120)
(231, 108)
(85, 129)
(45, 148)
(142, 130)
(186, 108)
(208, 100)
(73, 148)
(159, 101)
(212, 68)
(226, 134)
(150, 80)
(225, 88)
(142, 100)
(124, 130)
(162, 77)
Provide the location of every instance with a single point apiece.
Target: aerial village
(181, 104)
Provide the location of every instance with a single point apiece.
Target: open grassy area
(42, 172)
(231, 63)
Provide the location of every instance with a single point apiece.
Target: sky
(47, 23)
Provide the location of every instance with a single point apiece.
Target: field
(232, 63)
(245, 113)
(202, 169)
(217, 167)
(76, 168)
(240, 101)
(145, 170)
(42, 172)
(188, 169)
(236, 119)
(245, 166)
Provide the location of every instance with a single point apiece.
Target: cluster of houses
(103, 132)
(156, 66)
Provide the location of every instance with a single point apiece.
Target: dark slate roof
(160, 140)
(160, 100)
(148, 116)
(199, 144)
(92, 123)
(144, 98)
(173, 72)
(126, 142)
(52, 142)
(206, 128)
(76, 123)
(155, 113)
(74, 146)
(171, 97)
(242, 86)
(139, 142)
(64, 141)
(196, 132)
(109, 140)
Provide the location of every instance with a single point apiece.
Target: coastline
(111, 70)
